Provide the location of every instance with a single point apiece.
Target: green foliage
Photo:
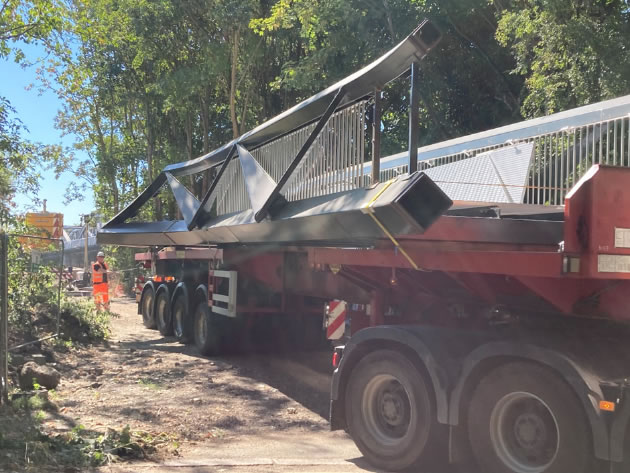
(570, 53)
(150, 384)
(31, 288)
(98, 449)
(26, 447)
(148, 83)
(35, 402)
(33, 296)
(82, 322)
(27, 21)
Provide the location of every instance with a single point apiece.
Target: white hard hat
(100, 253)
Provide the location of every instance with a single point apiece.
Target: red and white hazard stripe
(336, 320)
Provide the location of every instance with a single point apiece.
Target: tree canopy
(146, 83)
(22, 22)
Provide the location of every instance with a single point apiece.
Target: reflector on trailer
(335, 359)
(336, 320)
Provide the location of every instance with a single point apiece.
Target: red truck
(490, 329)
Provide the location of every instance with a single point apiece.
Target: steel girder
(332, 219)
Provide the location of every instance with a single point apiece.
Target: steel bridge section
(406, 206)
(263, 213)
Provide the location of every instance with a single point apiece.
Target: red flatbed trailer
(541, 290)
(476, 333)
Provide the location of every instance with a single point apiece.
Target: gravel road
(250, 413)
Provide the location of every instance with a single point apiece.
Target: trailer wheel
(207, 336)
(163, 312)
(523, 418)
(389, 411)
(181, 320)
(148, 316)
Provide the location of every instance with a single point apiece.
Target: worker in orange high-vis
(100, 288)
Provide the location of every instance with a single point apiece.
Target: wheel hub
(530, 431)
(392, 409)
(524, 433)
(386, 408)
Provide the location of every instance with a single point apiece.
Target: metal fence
(22, 271)
(566, 146)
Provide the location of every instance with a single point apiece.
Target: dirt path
(249, 413)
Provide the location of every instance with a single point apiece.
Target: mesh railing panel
(561, 158)
(334, 163)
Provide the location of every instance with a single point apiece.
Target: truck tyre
(390, 411)
(523, 418)
(181, 320)
(146, 304)
(207, 336)
(163, 312)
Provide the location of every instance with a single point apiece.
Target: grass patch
(82, 323)
(25, 446)
(150, 384)
(35, 402)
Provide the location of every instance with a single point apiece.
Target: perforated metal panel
(495, 176)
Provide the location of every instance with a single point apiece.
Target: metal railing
(334, 163)
(566, 145)
(571, 143)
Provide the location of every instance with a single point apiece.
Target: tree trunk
(113, 182)
(205, 124)
(390, 23)
(189, 136)
(513, 104)
(235, 127)
(157, 207)
(106, 161)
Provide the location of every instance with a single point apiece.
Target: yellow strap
(370, 212)
(379, 193)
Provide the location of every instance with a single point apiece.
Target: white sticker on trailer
(622, 237)
(613, 263)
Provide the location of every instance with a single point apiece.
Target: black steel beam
(132, 209)
(376, 137)
(205, 205)
(408, 205)
(414, 114)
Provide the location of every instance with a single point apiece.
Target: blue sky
(37, 112)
